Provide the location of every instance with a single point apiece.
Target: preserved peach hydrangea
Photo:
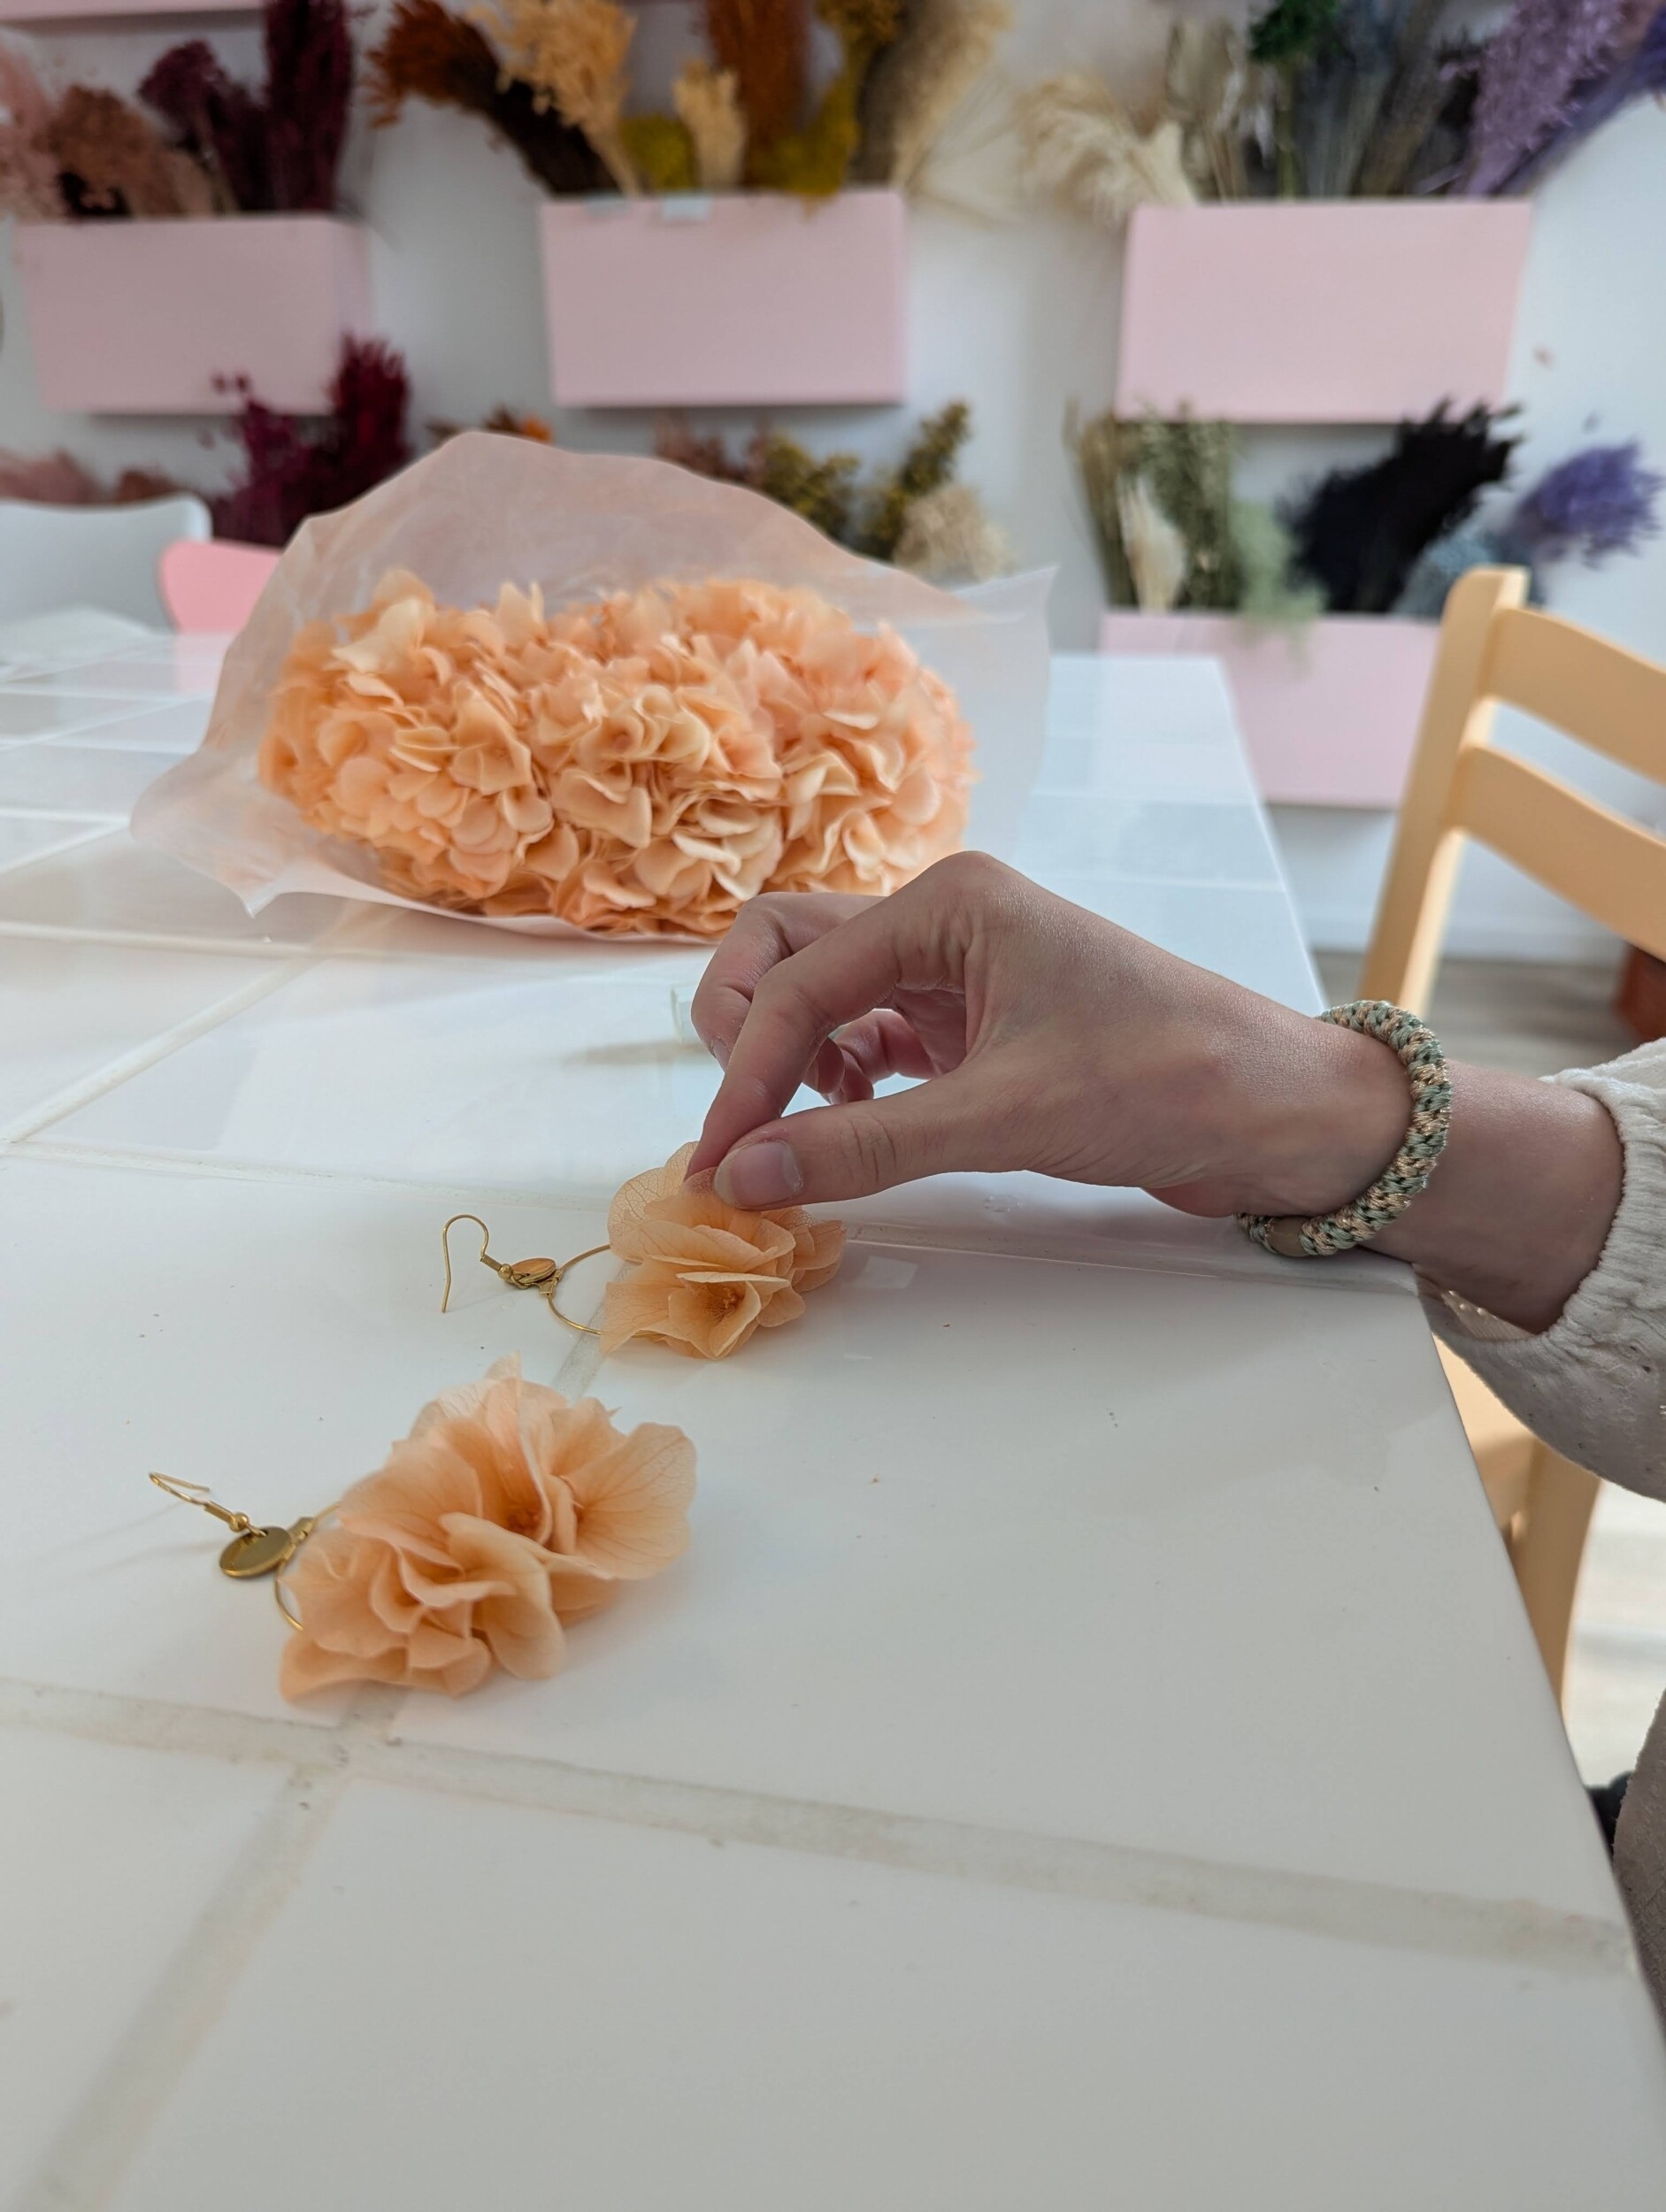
(641, 764)
(506, 1512)
(708, 1274)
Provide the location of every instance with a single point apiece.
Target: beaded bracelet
(1319, 1235)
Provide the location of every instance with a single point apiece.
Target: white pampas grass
(1157, 555)
(708, 101)
(1080, 144)
(919, 80)
(950, 537)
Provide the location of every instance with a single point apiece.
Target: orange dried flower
(708, 1275)
(638, 765)
(505, 1513)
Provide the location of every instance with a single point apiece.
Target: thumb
(832, 1152)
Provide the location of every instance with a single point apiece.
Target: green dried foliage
(662, 152)
(823, 492)
(1100, 449)
(1265, 550)
(929, 462)
(1290, 30)
(1188, 469)
(828, 492)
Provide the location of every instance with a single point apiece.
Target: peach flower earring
(507, 1513)
(704, 1276)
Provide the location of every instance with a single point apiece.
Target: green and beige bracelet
(1319, 1235)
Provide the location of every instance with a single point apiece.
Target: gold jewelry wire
(542, 1275)
(198, 1493)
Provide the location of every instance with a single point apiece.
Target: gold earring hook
(253, 1550)
(485, 1259)
(541, 1275)
(199, 1494)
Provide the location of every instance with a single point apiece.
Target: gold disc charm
(530, 1274)
(253, 1552)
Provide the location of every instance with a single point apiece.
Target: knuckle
(873, 1151)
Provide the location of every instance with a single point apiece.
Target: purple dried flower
(1545, 53)
(1596, 502)
(1598, 103)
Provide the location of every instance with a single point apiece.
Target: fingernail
(720, 1053)
(760, 1175)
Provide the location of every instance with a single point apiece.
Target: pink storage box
(1327, 311)
(751, 299)
(1328, 711)
(141, 318)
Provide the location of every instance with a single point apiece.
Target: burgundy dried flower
(309, 86)
(1596, 502)
(280, 152)
(294, 469)
(216, 121)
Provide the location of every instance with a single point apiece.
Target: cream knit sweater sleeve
(1594, 1387)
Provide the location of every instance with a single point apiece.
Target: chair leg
(1561, 1498)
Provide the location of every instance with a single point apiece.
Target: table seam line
(1384, 1915)
(101, 1081)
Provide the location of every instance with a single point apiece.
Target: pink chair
(212, 587)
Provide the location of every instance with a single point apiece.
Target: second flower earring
(704, 1276)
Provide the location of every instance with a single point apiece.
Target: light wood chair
(1495, 650)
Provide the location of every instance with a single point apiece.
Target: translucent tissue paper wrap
(486, 511)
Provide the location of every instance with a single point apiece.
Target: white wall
(1014, 310)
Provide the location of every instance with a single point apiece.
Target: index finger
(764, 932)
(794, 1007)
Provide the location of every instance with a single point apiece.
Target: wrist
(1518, 1213)
(1332, 1124)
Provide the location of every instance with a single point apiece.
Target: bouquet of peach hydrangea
(573, 692)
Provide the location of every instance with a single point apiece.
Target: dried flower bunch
(223, 150)
(1336, 99)
(552, 78)
(917, 515)
(1390, 537)
(639, 765)
(706, 1276)
(295, 467)
(1596, 503)
(506, 1515)
(1169, 532)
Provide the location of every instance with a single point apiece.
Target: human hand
(1044, 1037)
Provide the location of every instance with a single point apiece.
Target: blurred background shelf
(162, 318)
(1328, 709)
(735, 300)
(1319, 311)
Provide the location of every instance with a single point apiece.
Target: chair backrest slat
(1495, 650)
(1613, 701)
(1607, 866)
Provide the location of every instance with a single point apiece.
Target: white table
(1091, 1755)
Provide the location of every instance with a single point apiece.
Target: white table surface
(1091, 1754)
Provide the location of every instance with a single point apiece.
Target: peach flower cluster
(641, 765)
(708, 1274)
(505, 1513)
